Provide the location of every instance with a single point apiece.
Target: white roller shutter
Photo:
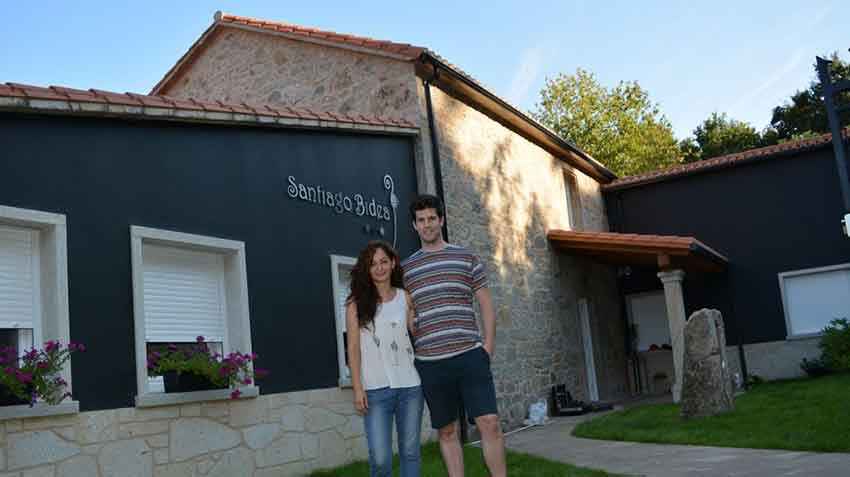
(184, 294)
(813, 299)
(20, 297)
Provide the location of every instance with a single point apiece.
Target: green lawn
(432, 466)
(804, 414)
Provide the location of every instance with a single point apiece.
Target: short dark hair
(427, 201)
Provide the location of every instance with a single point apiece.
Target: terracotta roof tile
(402, 49)
(729, 160)
(58, 93)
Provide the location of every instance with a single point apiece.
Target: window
(648, 315)
(185, 286)
(812, 298)
(340, 274)
(571, 201)
(34, 290)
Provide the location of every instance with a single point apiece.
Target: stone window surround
(54, 296)
(337, 263)
(789, 274)
(238, 321)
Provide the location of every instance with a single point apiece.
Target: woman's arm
(352, 327)
(411, 314)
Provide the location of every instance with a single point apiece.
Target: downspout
(438, 173)
(435, 145)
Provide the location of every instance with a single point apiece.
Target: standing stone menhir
(707, 385)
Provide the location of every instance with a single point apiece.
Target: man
(452, 359)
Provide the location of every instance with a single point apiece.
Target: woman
(380, 355)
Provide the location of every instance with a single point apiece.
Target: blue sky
(741, 57)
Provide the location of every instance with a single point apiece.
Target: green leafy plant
(36, 375)
(815, 367)
(196, 358)
(835, 344)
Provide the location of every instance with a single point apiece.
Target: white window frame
(53, 286)
(795, 273)
(572, 200)
(237, 316)
(337, 262)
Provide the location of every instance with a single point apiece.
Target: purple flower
(247, 381)
(199, 339)
(41, 365)
(235, 394)
(24, 378)
(172, 347)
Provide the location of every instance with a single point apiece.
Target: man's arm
(488, 317)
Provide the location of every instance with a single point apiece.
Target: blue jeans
(405, 405)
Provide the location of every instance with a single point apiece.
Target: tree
(719, 135)
(620, 127)
(805, 111)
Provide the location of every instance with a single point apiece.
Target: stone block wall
(275, 435)
(503, 194)
(259, 68)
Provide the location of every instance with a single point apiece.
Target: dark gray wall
(775, 215)
(228, 182)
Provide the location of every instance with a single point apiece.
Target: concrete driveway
(554, 441)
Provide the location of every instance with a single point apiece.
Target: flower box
(187, 382)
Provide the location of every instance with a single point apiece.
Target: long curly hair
(364, 293)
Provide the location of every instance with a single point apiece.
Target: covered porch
(672, 256)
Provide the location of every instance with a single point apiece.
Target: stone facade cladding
(275, 435)
(256, 68)
(503, 194)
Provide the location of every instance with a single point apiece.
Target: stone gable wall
(258, 68)
(503, 194)
(277, 435)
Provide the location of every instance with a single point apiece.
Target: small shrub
(754, 380)
(815, 367)
(835, 344)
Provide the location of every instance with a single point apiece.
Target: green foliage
(36, 375)
(720, 135)
(815, 367)
(197, 358)
(805, 112)
(835, 344)
(619, 127)
(804, 414)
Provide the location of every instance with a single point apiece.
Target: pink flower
(41, 365)
(253, 355)
(24, 378)
(235, 394)
(247, 381)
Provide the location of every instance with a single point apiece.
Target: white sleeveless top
(386, 355)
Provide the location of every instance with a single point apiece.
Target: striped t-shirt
(442, 285)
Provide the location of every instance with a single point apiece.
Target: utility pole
(831, 91)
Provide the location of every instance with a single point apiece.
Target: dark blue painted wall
(775, 215)
(228, 182)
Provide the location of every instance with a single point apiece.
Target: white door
(648, 313)
(587, 340)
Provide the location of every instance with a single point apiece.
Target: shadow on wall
(509, 193)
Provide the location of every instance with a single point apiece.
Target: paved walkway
(554, 441)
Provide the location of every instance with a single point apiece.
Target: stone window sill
(170, 399)
(40, 409)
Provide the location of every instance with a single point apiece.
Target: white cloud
(526, 74)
